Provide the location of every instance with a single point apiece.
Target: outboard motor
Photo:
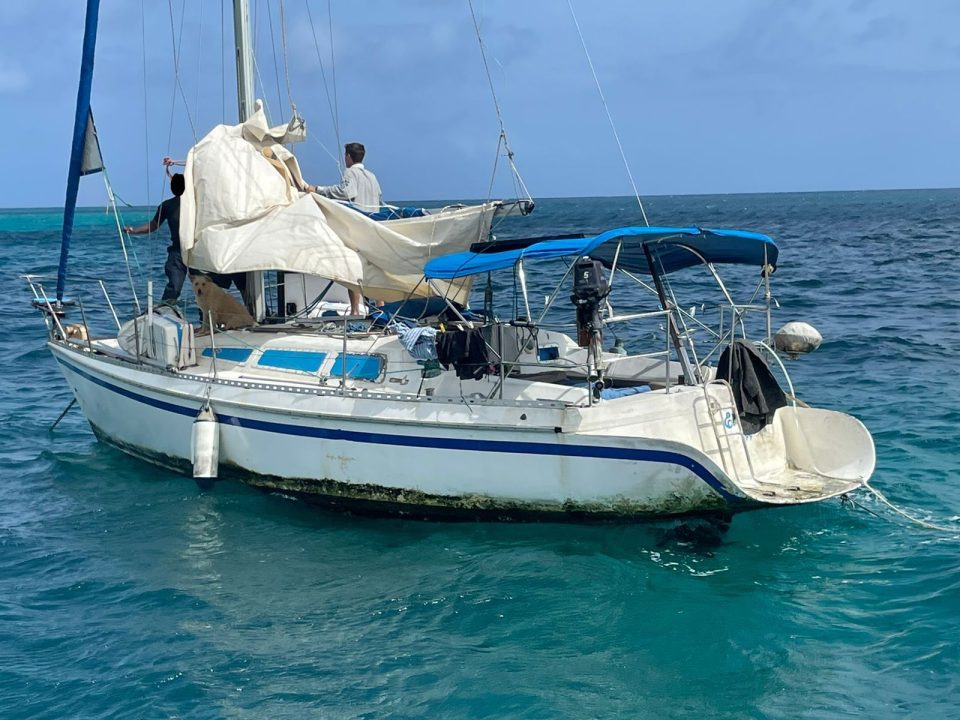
(589, 290)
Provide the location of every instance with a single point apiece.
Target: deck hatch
(230, 354)
(359, 367)
(303, 360)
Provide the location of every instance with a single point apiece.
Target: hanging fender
(205, 447)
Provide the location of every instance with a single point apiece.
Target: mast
(241, 34)
(254, 292)
(79, 139)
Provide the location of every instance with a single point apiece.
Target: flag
(91, 162)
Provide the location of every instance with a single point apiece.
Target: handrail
(786, 375)
(637, 316)
(727, 434)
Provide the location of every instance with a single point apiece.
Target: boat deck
(791, 486)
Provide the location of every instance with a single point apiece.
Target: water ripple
(125, 592)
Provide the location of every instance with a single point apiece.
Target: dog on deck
(226, 311)
(76, 332)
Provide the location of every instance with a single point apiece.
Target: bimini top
(672, 248)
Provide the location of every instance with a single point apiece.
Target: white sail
(393, 252)
(244, 210)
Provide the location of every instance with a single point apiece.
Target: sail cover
(81, 162)
(243, 210)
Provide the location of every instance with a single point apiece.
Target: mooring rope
(922, 523)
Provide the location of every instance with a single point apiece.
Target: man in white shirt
(358, 186)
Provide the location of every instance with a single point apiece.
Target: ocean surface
(126, 592)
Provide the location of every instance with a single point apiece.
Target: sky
(707, 97)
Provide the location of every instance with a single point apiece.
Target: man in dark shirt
(169, 213)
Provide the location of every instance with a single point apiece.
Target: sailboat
(427, 407)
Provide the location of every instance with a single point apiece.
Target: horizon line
(580, 197)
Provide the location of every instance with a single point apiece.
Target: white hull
(426, 456)
(357, 419)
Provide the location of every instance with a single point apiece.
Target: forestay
(243, 211)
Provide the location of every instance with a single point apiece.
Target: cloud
(12, 77)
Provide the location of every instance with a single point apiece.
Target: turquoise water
(127, 593)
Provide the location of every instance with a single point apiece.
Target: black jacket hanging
(465, 350)
(755, 389)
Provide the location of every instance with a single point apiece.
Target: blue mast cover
(80, 121)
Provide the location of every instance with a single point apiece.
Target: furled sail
(85, 155)
(244, 210)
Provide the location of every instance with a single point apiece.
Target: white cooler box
(164, 340)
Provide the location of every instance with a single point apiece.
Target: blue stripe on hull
(439, 443)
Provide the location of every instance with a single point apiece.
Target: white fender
(206, 443)
(796, 338)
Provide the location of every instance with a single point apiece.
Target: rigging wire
(333, 70)
(607, 110)
(496, 163)
(326, 86)
(518, 180)
(256, 66)
(173, 99)
(116, 196)
(146, 112)
(263, 89)
(199, 59)
(276, 65)
(123, 244)
(286, 59)
(152, 249)
(178, 85)
(336, 159)
(223, 65)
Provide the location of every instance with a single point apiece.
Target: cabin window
(304, 361)
(230, 354)
(359, 367)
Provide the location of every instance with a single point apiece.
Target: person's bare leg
(354, 302)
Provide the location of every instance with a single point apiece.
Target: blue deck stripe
(442, 443)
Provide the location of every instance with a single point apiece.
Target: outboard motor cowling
(590, 287)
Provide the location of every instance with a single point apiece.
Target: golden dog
(227, 312)
(76, 332)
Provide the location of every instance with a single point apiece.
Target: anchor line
(63, 414)
(917, 521)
